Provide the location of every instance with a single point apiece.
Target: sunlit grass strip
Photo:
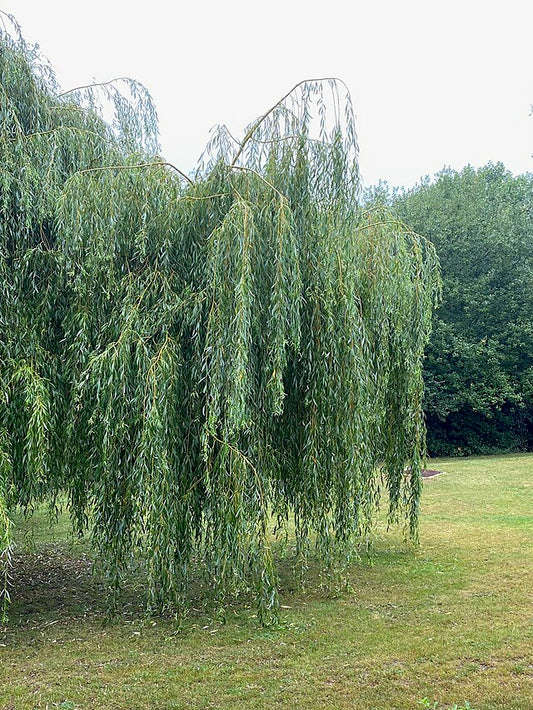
(448, 620)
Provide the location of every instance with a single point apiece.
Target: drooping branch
(257, 174)
(95, 85)
(278, 103)
(155, 164)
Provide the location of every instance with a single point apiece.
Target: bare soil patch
(430, 472)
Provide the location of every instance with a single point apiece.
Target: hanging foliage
(187, 360)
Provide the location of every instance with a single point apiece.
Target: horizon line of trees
(478, 366)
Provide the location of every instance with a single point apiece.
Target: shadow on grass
(52, 582)
(57, 582)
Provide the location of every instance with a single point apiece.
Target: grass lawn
(450, 621)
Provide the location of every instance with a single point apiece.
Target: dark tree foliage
(184, 361)
(479, 366)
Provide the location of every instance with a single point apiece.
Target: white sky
(434, 82)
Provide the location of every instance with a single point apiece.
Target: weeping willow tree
(189, 360)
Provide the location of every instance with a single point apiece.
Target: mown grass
(450, 621)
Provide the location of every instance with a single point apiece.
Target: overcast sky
(434, 83)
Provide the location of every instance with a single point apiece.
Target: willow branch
(133, 167)
(58, 129)
(92, 86)
(244, 458)
(275, 106)
(251, 170)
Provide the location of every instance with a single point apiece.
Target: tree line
(478, 368)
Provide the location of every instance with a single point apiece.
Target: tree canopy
(185, 359)
(479, 366)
